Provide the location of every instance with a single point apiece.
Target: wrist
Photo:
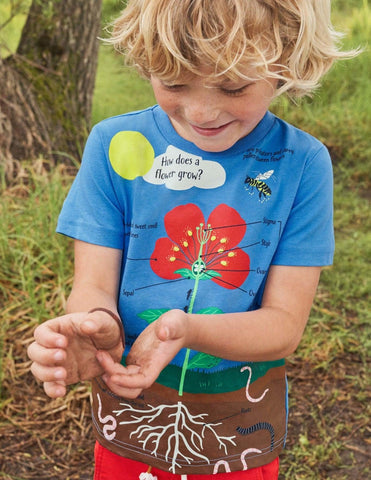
(189, 329)
(194, 331)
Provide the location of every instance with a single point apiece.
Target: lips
(210, 132)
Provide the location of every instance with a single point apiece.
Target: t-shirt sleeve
(92, 212)
(308, 236)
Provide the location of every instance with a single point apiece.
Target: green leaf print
(152, 314)
(185, 272)
(210, 274)
(210, 311)
(203, 360)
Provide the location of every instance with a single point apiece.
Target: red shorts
(109, 466)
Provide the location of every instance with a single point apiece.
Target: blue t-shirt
(199, 231)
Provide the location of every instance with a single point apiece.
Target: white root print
(183, 435)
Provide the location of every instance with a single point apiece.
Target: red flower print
(202, 250)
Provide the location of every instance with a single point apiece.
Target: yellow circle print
(131, 155)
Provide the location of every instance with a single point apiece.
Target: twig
(354, 448)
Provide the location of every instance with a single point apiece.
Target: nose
(201, 110)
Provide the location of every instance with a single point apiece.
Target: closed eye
(235, 91)
(173, 87)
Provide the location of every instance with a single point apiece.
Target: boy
(200, 226)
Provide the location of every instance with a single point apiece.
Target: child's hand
(65, 348)
(153, 350)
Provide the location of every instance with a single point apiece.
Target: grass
(131, 92)
(127, 91)
(329, 432)
(36, 264)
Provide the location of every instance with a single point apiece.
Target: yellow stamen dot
(231, 254)
(185, 244)
(172, 259)
(213, 238)
(189, 233)
(221, 250)
(176, 249)
(223, 240)
(224, 263)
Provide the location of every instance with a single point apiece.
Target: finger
(48, 374)
(129, 380)
(171, 325)
(163, 333)
(121, 391)
(117, 374)
(132, 369)
(110, 366)
(47, 335)
(102, 328)
(45, 356)
(55, 389)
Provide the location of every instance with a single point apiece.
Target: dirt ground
(52, 439)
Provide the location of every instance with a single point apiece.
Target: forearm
(96, 278)
(261, 335)
(84, 298)
(269, 333)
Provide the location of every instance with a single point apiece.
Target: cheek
(167, 102)
(248, 108)
(245, 112)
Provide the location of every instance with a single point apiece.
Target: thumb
(170, 326)
(102, 328)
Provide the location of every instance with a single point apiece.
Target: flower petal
(181, 224)
(228, 227)
(167, 258)
(233, 267)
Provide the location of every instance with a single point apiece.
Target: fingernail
(58, 356)
(132, 369)
(59, 374)
(59, 392)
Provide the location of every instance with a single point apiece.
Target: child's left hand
(153, 350)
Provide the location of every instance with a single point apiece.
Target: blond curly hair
(290, 40)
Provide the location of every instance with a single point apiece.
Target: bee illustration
(261, 187)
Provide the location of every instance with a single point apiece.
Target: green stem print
(198, 269)
(184, 371)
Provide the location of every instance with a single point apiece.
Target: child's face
(214, 117)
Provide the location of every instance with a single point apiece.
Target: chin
(212, 148)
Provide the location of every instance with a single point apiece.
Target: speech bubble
(180, 170)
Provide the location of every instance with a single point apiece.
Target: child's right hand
(151, 352)
(65, 348)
